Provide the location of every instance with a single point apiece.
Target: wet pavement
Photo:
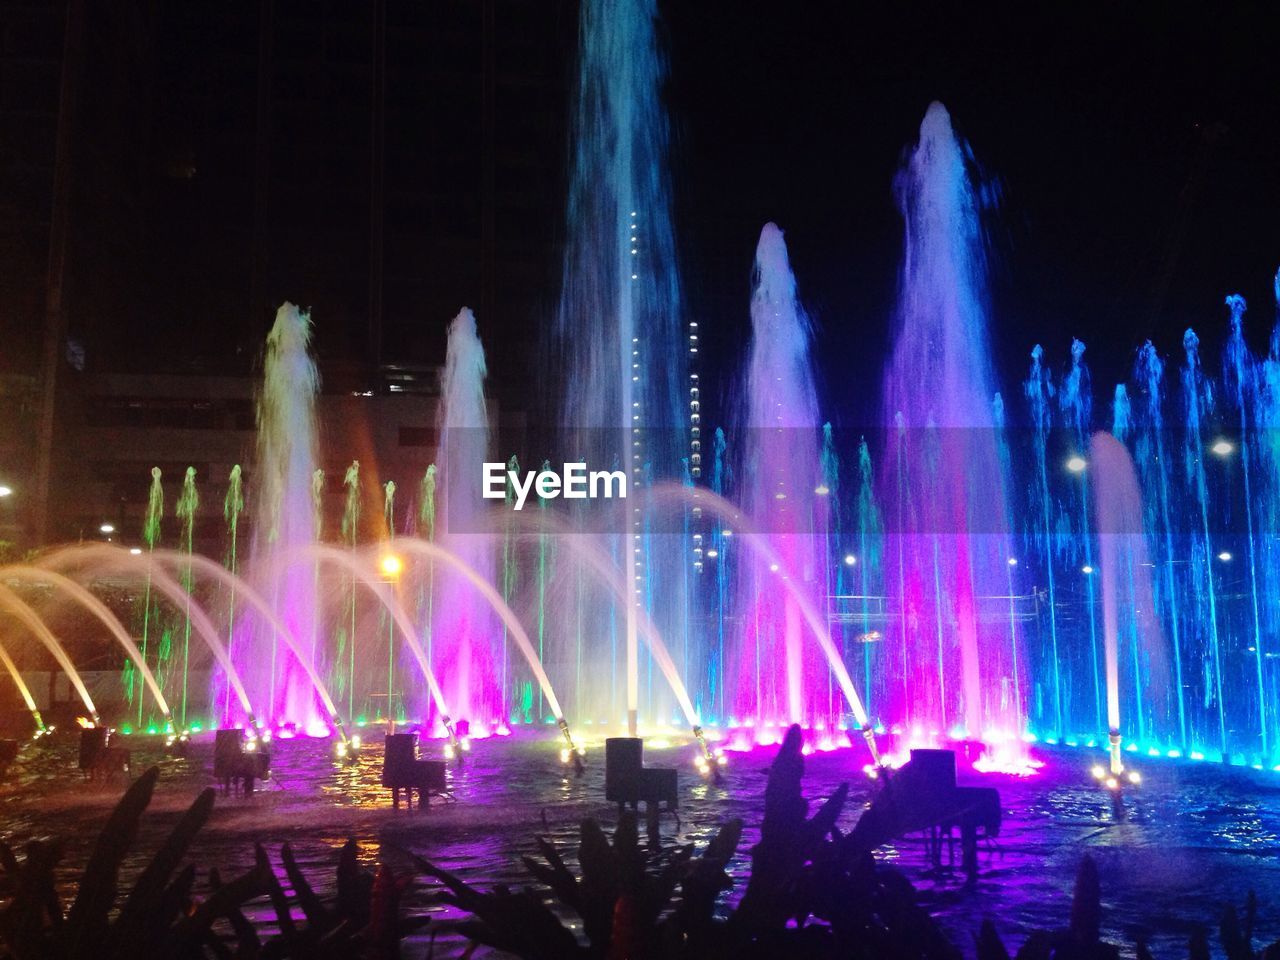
(1193, 837)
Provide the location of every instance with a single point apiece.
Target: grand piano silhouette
(922, 796)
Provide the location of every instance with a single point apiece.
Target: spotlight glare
(1076, 463)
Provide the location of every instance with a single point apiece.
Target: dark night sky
(1127, 142)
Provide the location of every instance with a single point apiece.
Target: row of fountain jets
(974, 588)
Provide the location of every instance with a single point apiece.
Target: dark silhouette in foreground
(813, 892)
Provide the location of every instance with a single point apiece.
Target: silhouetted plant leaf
(989, 944)
(150, 887)
(87, 920)
(1086, 908)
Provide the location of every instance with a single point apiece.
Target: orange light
(392, 565)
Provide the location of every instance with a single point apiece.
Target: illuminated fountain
(465, 639)
(777, 676)
(284, 520)
(621, 329)
(972, 570)
(950, 652)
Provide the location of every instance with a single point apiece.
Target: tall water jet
(232, 506)
(1239, 379)
(1197, 394)
(1128, 608)
(1151, 449)
(347, 632)
(1042, 528)
(150, 534)
(620, 328)
(1077, 407)
(391, 568)
(778, 677)
(951, 545)
(188, 504)
(285, 517)
(464, 653)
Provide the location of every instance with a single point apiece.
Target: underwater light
(1013, 561)
(1086, 569)
(713, 553)
(1223, 448)
(1076, 463)
(850, 559)
(1224, 556)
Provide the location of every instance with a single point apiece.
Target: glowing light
(1076, 463)
(713, 553)
(108, 528)
(822, 490)
(1223, 448)
(850, 559)
(5, 490)
(773, 567)
(1135, 777)
(1086, 569)
(391, 565)
(1098, 771)
(1224, 556)
(136, 551)
(1013, 561)
(1113, 783)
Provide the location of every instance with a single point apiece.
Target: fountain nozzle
(710, 762)
(455, 748)
(1117, 762)
(571, 753)
(869, 735)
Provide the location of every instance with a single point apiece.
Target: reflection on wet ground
(1194, 837)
